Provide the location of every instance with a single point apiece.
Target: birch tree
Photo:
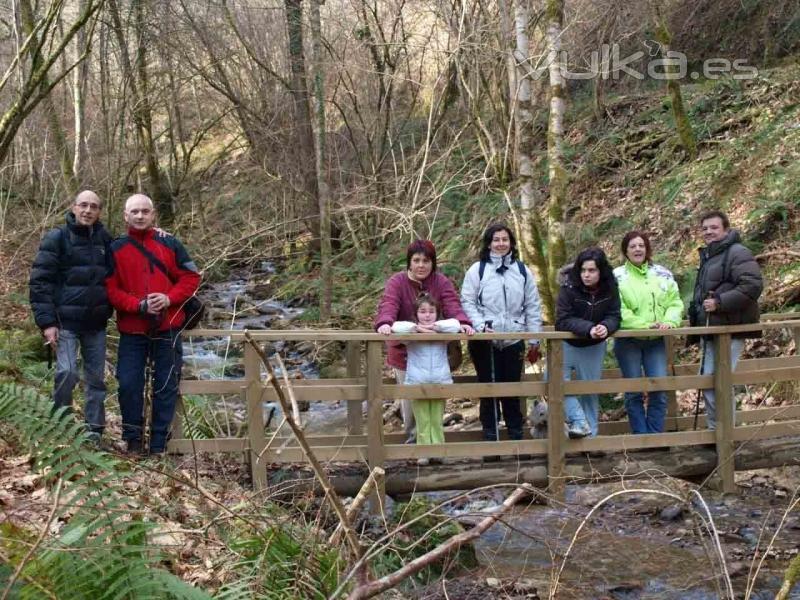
(531, 200)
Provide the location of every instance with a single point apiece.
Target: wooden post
(672, 398)
(255, 417)
(353, 356)
(723, 392)
(375, 450)
(555, 419)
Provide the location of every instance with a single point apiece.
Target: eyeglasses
(88, 205)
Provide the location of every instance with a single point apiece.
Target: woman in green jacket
(649, 299)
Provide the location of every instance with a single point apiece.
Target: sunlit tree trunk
(531, 201)
(79, 76)
(326, 291)
(555, 143)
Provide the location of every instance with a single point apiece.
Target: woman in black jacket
(588, 306)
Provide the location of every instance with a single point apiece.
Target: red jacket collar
(141, 235)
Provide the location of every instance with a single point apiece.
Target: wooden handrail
(370, 336)
(375, 449)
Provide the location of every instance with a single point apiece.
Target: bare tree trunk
(531, 201)
(159, 188)
(682, 123)
(326, 291)
(46, 48)
(79, 76)
(555, 141)
(302, 115)
(53, 120)
(141, 112)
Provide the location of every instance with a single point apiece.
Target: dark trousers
(167, 354)
(508, 363)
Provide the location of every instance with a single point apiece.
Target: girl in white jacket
(427, 363)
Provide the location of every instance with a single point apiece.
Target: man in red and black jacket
(152, 278)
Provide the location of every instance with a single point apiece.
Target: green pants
(428, 414)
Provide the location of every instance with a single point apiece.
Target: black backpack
(522, 270)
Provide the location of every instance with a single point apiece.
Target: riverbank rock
(671, 513)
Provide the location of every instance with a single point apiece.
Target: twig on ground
(384, 583)
(374, 479)
(793, 503)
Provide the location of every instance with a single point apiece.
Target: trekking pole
(494, 398)
(149, 385)
(702, 368)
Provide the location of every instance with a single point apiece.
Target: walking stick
(702, 369)
(149, 387)
(494, 398)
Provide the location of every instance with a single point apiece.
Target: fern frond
(102, 553)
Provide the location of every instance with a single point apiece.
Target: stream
(637, 547)
(642, 546)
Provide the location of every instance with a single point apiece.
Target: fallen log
(405, 477)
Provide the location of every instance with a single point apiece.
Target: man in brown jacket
(726, 292)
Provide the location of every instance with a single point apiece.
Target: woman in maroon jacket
(397, 304)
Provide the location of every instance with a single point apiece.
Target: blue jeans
(588, 364)
(167, 356)
(634, 354)
(737, 345)
(93, 351)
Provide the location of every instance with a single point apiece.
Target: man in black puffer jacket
(725, 293)
(70, 305)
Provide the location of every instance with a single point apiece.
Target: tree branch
(330, 493)
(384, 583)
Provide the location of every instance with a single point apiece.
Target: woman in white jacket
(427, 363)
(500, 294)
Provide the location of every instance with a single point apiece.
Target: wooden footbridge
(764, 437)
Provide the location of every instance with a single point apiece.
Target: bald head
(139, 199)
(86, 207)
(140, 213)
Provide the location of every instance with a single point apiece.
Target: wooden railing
(376, 448)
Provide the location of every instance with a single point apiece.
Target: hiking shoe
(93, 439)
(576, 431)
(134, 447)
